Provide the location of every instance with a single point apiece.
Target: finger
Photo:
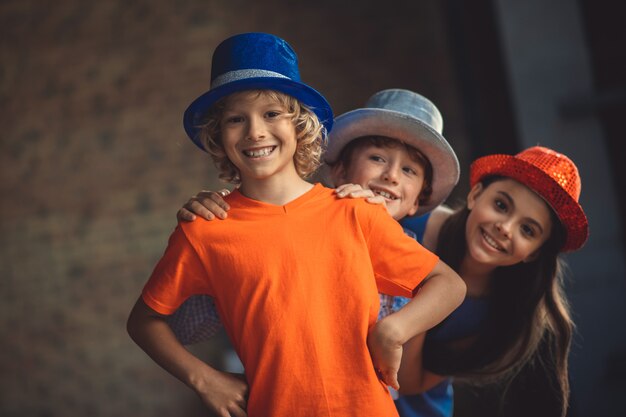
(376, 199)
(205, 208)
(347, 189)
(394, 383)
(391, 379)
(361, 193)
(241, 398)
(351, 188)
(214, 202)
(185, 215)
(238, 408)
(340, 189)
(238, 412)
(218, 198)
(215, 196)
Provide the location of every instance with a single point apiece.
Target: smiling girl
(521, 212)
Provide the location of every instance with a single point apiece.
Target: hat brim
(196, 113)
(412, 131)
(567, 209)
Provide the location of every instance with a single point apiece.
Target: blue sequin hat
(251, 61)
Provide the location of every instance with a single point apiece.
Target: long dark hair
(527, 308)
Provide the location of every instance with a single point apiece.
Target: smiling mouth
(259, 152)
(491, 242)
(383, 193)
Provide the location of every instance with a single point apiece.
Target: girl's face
(259, 136)
(508, 223)
(389, 172)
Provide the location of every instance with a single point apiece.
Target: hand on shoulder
(206, 204)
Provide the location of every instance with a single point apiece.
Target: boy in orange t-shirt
(284, 309)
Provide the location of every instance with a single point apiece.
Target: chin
(395, 215)
(482, 257)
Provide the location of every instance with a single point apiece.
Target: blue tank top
(462, 322)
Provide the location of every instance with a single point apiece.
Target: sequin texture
(550, 174)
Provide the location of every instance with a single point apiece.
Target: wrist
(390, 331)
(199, 378)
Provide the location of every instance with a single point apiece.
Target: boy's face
(387, 171)
(259, 136)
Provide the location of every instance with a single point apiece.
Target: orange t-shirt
(296, 289)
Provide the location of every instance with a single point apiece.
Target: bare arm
(433, 227)
(223, 393)
(412, 376)
(441, 293)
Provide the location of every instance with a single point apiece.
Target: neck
(274, 190)
(477, 276)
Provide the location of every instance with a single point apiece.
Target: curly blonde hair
(310, 135)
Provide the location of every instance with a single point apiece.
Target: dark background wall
(94, 162)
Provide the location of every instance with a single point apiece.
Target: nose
(504, 227)
(256, 129)
(391, 173)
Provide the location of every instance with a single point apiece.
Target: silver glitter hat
(409, 118)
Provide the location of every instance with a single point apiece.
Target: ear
(473, 195)
(414, 207)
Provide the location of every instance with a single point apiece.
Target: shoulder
(439, 215)
(437, 218)
(320, 191)
(199, 228)
(360, 205)
(357, 212)
(318, 196)
(329, 195)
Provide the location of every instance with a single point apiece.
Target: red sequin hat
(551, 175)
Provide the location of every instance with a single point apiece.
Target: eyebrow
(512, 203)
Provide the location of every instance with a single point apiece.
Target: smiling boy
(273, 272)
(398, 173)
(384, 148)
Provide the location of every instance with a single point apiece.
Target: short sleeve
(178, 275)
(400, 263)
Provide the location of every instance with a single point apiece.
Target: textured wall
(94, 164)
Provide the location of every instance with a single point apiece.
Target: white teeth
(256, 153)
(492, 242)
(385, 194)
